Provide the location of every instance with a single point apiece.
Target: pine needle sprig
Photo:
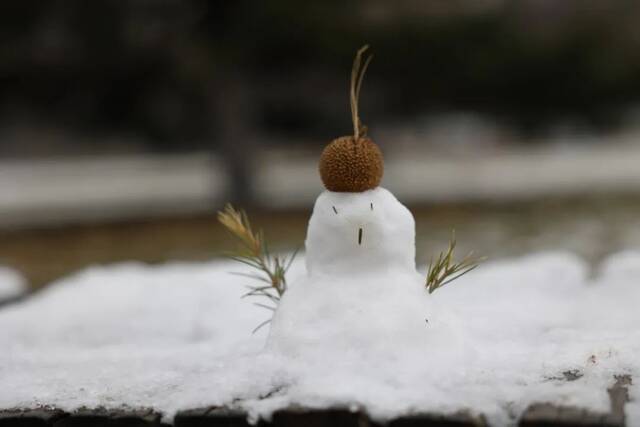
(253, 251)
(445, 270)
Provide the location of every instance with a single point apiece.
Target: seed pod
(353, 163)
(347, 165)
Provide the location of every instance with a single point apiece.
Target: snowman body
(362, 291)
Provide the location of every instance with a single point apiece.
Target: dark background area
(169, 75)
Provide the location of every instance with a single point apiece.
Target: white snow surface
(178, 336)
(12, 283)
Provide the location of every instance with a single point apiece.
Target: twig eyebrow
(335, 210)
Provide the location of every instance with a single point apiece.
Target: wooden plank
(211, 416)
(618, 396)
(549, 414)
(542, 414)
(100, 417)
(333, 417)
(30, 417)
(338, 417)
(457, 419)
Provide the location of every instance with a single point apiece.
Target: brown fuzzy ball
(351, 166)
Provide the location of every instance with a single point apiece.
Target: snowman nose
(359, 236)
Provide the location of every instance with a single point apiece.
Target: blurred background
(125, 126)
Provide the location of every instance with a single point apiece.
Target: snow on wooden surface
(178, 336)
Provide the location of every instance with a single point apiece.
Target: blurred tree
(183, 75)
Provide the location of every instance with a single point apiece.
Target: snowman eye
(371, 205)
(335, 210)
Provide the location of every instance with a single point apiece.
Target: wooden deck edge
(330, 417)
(85, 417)
(619, 396)
(549, 414)
(542, 414)
(219, 416)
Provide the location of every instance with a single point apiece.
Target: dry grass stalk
(253, 251)
(357, 74)
(444, 270)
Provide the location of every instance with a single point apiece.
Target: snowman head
(360, 233)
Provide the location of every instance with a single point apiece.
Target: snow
(351, 234)
(178, 336)
(360, 246)
(12, 284)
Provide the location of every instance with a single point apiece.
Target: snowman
(361, 291)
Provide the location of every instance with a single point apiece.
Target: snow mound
(178, 336)
(12, 284)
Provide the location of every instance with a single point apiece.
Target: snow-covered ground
(178, 336)
(12, 284)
